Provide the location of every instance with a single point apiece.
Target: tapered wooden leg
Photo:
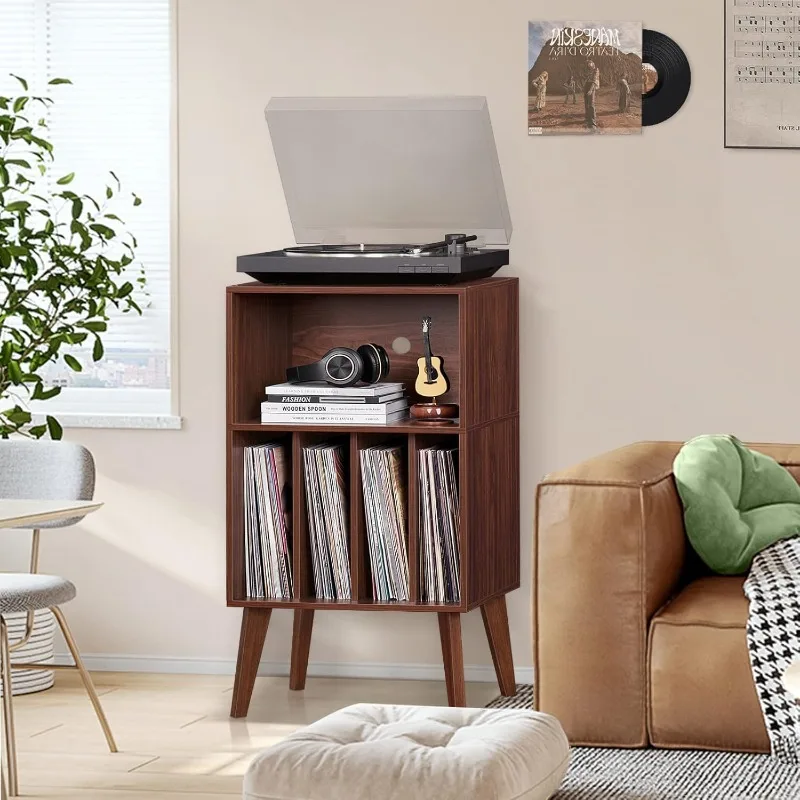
(495, 620)
(251, 645)
(453, 657)
(301, 644)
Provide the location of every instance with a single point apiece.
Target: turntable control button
(441, 270)
(426, 270)
(405, 270)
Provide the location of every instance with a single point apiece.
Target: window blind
(116, 116)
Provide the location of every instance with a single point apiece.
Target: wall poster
(762, 73)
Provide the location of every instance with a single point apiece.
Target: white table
(791, 680)
(31, 513)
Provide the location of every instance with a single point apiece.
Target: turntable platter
(358, 250)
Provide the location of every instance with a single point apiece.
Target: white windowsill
(164, 422)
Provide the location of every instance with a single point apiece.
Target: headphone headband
(338, 367)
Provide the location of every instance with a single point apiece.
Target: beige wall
(659, 286)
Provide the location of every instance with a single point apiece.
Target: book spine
(328, 419)
(333, 391)
(371, 409)
(323, 399)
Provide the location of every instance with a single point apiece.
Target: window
(116, 116)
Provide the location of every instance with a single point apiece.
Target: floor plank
(177, 740)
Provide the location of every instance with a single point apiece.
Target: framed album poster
(584, 78)
(762, 73)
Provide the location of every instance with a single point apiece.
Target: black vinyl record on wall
(667, 72)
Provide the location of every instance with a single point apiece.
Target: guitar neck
(426, 337)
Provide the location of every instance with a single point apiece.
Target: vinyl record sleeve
(584, 78)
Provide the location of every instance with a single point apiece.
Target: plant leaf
(14, 372)
(97, 350)
(73, 363)
(77, 208)
(103, 230)
(21, 80)
(19, 416)
(40, 393)
(57, 81)
(54, 428)
(63, 181)
(137, 201)
(19, 104)
(97, 326)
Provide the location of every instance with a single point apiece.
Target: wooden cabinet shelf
(476, 332)
(407, 427)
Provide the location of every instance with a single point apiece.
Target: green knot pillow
(736, 502)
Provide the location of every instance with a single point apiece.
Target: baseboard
(99, 662)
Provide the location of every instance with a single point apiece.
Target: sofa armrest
(608, 553)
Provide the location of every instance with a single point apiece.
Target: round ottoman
(404, 752)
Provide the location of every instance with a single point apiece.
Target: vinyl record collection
(328, 528)
(267, 523)
(268, 538)
(383, 484)
(438, 534)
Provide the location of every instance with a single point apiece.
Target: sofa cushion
(402, 752)
(736, 501)
(701, 688)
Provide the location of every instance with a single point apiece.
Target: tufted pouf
(366, 752)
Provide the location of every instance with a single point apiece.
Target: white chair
(41, 471)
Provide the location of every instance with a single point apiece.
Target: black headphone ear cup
(343, 366)
(384, 357)
(372, 363)
(376, 362)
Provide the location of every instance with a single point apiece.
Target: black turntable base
(446, 262)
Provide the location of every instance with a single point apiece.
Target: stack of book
(438, 535)
(267, 523)
(328, 529)
(385, 513)
(321, 404)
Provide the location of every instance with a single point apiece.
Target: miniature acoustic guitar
(431, 381)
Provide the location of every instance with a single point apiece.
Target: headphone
(343, 366)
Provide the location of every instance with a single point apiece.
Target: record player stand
(476, 332)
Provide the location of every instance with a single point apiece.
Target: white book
(371, 409)
(332, 419)
(320, 388)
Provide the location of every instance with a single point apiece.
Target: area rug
(604, 774)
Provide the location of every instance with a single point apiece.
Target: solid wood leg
(495, 620)
(301, 644)
(453, 657)
(251, 644)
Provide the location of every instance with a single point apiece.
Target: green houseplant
(66, 262)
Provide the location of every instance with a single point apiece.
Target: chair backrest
(46, 470)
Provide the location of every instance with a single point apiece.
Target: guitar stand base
(435, 413)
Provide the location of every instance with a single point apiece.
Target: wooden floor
(175, 737)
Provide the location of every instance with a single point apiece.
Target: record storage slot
(359, 555)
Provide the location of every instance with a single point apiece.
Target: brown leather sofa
(636, 643)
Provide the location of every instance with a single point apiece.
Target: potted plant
(66, 261)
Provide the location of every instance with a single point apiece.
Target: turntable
(375, 188)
